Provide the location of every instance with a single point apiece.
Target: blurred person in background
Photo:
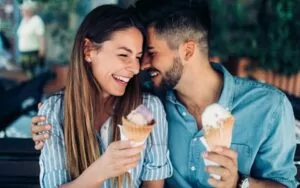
(31, 39)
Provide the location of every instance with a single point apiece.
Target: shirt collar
(227, 93)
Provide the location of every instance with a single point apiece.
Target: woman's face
(117, 61)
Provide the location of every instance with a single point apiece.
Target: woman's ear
(87, 48)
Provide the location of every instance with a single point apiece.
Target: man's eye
(139, 58)
(151, 54)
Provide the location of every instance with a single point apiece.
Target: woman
(83, 149)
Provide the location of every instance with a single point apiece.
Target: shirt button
(193, 168)
(195, 139)
(184, 113)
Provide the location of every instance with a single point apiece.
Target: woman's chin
(118, 93)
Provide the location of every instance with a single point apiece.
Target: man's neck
(199, 87)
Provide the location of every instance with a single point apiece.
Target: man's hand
(228, 169)
(37, 129)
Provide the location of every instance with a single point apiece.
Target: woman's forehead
(130, 38)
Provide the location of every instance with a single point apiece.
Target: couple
(83, 149)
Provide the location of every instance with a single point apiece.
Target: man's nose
(146, 62)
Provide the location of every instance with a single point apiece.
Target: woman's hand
(119, 157)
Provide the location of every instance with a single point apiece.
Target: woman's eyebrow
(125, 48)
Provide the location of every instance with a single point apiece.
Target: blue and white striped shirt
(154, 163)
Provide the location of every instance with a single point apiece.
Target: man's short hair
(29, 5)
(177, 21)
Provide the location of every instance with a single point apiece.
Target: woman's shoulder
(153, 103)
(150, 99)
(52, 106)
(53, 99)
(52, 109)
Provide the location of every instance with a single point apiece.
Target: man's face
(162, 63)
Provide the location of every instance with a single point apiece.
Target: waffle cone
(220, 136)
(135, 132)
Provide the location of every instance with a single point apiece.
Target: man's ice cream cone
(220, 136)
(217, 124)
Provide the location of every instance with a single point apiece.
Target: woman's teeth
(121, 78)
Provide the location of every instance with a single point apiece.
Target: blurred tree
(234, 27)
(279, 46)
(268, 30)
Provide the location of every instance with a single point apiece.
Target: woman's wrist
(94, 173)
(91, 177)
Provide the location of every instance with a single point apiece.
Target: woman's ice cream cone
(136, 132)
(137, 125)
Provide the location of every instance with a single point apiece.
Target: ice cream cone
(217, 125)
(137, 133)
(220, 136)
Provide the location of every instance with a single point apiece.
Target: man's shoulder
(36, 19)
(252, 89)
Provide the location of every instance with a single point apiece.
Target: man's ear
(187, 50)
(87, 48)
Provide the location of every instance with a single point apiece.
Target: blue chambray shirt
(263, 134)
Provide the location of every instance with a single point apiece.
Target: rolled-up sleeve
(53, 171)
(157, 165)
(274, 160)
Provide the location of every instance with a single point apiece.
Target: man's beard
(172, 76)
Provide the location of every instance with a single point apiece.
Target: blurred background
(255, 39)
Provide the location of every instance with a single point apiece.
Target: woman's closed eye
(123, 55)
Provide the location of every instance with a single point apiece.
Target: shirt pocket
(244, 157)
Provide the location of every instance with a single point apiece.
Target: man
(263, 141)
(31, 41)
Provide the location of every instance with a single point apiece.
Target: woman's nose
(134, 67)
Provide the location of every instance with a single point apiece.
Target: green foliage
(268, 30)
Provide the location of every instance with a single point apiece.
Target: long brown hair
(82, 101)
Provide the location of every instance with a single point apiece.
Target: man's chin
(156, 85)
(159, 89)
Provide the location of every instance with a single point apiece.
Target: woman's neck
(104, 111)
